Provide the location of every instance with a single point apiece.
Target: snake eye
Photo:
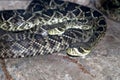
(83, 50)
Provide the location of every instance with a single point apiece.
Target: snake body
(49, 26)
(110, 8)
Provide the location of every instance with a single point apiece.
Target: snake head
(78, 52)
(79, 49)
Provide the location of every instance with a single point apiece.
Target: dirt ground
(103, 63)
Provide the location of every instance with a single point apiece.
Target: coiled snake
(49, 26)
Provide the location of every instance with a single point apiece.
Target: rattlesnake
(49, 26)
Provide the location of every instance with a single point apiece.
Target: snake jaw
(75, 52)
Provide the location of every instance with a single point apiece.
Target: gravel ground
(102, 64)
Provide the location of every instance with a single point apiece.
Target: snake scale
(49, 26)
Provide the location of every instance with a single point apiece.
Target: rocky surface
(102, 64)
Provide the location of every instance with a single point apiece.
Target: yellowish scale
(55, 31)
(75, 52)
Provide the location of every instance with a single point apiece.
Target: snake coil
(49, 26)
